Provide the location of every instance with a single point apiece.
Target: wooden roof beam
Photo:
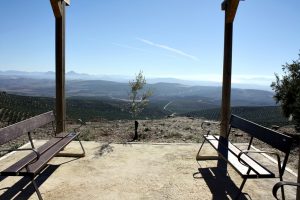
(57, 7)
(230, 8)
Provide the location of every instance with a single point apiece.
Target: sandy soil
(137, 171)
(172, 130)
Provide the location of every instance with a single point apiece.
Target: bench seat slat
(13, 169)
(232, 159)
(36, 167)
(62, 134)
(19, 165)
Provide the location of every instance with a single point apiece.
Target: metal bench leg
(241, 188)
(197, 156)
(282, 193)
(77, 155)
(83, 151)
(282, 189)
(36, 189)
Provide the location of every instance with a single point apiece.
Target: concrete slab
(136, 171)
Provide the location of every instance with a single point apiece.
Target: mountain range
(181, 97)
(72, 75)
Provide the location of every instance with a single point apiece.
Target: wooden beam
(60, 72)
(226, 85)
(230, 8)
(58, 7)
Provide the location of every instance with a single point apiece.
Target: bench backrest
(15, 130)
(273, 138)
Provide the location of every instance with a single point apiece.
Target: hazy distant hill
(72, 75)
(163, 92)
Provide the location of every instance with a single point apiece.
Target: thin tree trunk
(136, 125)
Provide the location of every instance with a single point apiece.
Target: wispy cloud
(177, 51)
(137, 49)
(129, 47)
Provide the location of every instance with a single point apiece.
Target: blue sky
(164, 38)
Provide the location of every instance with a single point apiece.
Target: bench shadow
(23, 189)
(220, 184)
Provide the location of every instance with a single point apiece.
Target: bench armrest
(25, 149)
(82, 123)
(253, 151)
(281, 184)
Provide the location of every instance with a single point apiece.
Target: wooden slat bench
(33, 163)
(242, 163)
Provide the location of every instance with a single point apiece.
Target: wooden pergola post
(58, 7)
(230, 8)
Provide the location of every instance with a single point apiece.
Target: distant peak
(72, 73)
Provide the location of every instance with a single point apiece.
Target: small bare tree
(139, 99)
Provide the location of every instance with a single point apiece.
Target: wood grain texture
(271, 137)
(15, 130)
(231, 9)
(36, 167)
(57, 8)
(16, 167)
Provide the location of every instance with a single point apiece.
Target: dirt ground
(173, 130)
(136, 171)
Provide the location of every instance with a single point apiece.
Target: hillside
(117, 90)
(14, 108)
(265, 115)
(109, 100)
(109, 121)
